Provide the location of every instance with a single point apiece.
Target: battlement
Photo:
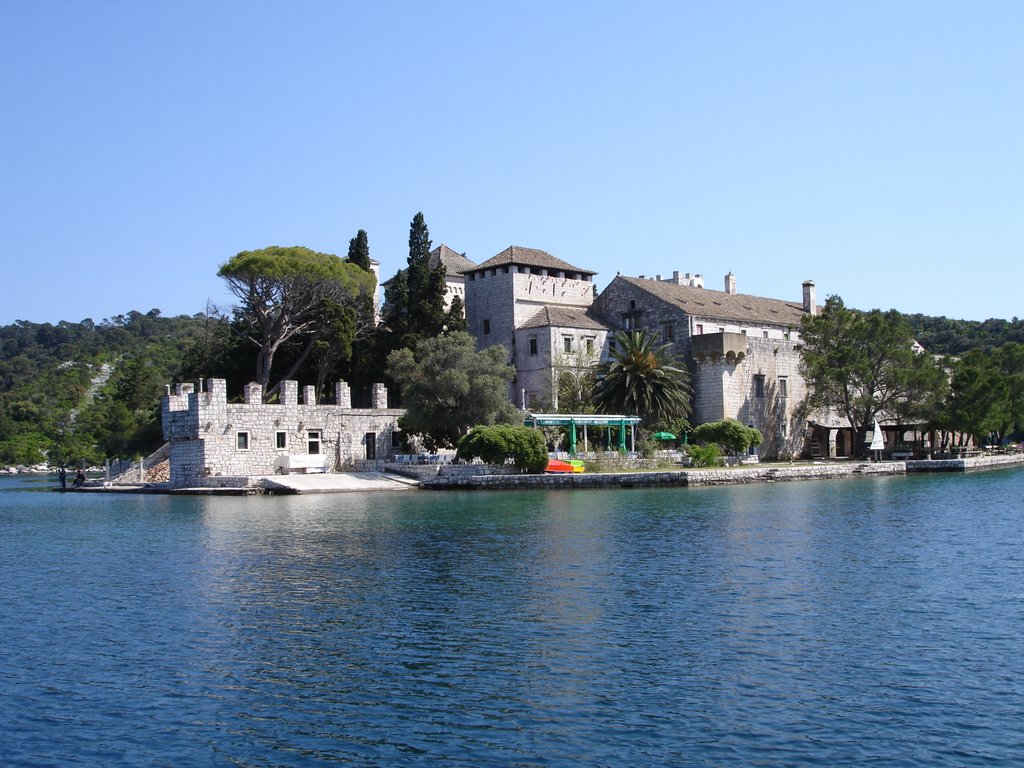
(209, 436)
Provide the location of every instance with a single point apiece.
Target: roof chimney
(810, 306)
(730, 283)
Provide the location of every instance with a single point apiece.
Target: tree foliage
(947, 336)
(359, 251)
(282, 293)
(863, 364)
(497, 443)
(984, 398)
(414, 306)
(575, 381)
(705, 455)
(77, 392)
(448, 387)
(728, 434)
(643, 378)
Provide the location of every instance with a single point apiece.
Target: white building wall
(203, 431)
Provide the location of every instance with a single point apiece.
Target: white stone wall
(728, 389)
(203, 430)
(490, 298)
(455, 285)
(506, 297)
(533, 292)
(538, 374)
(533, 372)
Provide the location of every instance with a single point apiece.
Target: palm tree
(643, 378)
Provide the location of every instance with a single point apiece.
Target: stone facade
(507, 292)
(211, 439)
(454, 264)
(743, 351)
(555, 342)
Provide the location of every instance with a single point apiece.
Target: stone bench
(305, 463)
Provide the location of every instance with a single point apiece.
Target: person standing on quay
(62, 475)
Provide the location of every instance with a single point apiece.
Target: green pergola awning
(573, 420)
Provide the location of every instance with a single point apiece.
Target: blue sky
(876, 148)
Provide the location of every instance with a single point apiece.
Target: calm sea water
(870, 621)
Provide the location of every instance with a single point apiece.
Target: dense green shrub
(497, 443)
(705, 455)
(729, 434)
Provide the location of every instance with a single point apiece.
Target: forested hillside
(77, 392)
(942, 336)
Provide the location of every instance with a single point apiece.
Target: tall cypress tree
(415, 296)
(359, 250)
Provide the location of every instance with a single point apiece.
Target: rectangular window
(590, 346)
(766, 334)
(242, 441)
(699, 330)
(631, 320)
(533, 347)
(611, 346)
(567, 344)
(668, 332)
(487, 327)
(313, 442)
(759, 385)
(282, 440)
(371, 445)
(783, 386)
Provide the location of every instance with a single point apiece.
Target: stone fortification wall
(490, 306)
(210, 438)
(501, 299)
(430, 472)
(726, 386)
(507, 299)
(533, 292)
(994, 461)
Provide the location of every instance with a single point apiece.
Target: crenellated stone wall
(211, 439)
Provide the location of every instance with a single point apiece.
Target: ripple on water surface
(834, 623)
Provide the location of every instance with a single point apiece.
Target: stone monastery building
(742, 350)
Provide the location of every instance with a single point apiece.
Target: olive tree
(448, 386)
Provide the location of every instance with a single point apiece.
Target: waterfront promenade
(758, 473)
(401, 477)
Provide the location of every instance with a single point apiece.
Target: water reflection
(835, 623)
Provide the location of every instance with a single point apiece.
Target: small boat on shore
(559, 467)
